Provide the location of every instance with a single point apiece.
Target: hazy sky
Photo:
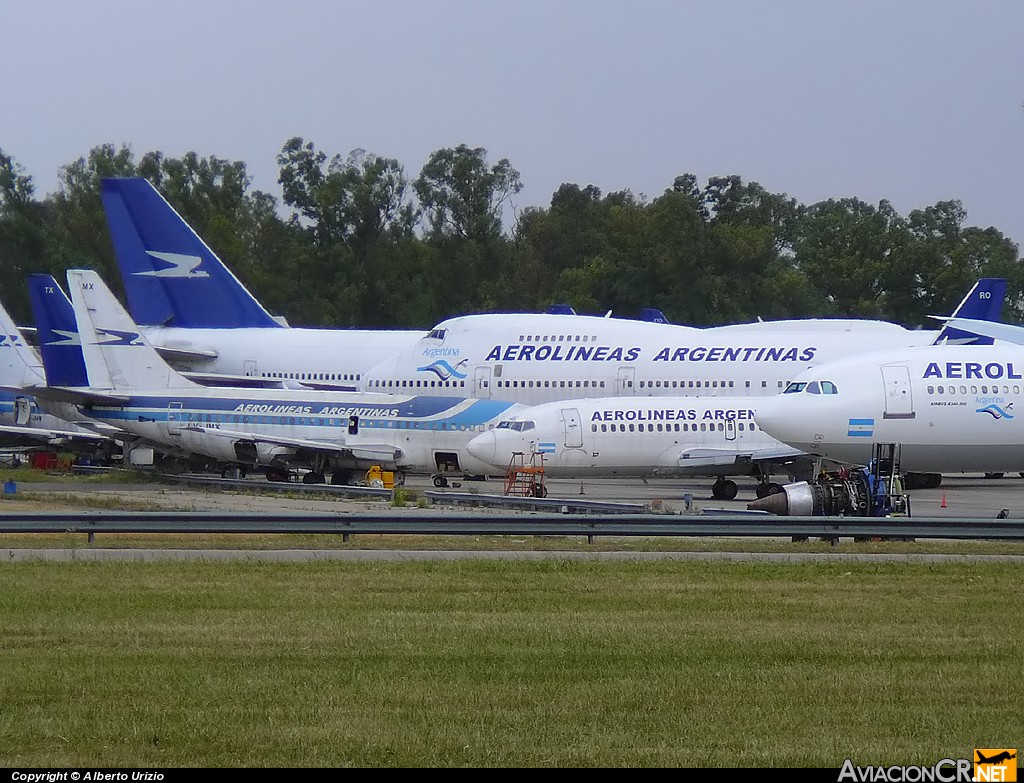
(915, 102)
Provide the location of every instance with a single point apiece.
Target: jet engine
(827, 496)
(872, 491)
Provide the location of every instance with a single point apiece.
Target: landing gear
(540, 491)
(767, 488)
(440, 481)
(922, 480)
(341, 478)
(232, 472)
(274, 473)
(724, 489)
(313, 477)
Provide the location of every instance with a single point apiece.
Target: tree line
(356, 243)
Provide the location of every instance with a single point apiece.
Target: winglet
(171, 276)
(984, 302)
(112, 344)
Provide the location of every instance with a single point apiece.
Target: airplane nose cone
(773, 415)
(483, 447)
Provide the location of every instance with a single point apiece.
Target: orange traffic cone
(943, 503)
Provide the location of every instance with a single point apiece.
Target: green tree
(23, 235)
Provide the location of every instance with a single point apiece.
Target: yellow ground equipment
(378, 477)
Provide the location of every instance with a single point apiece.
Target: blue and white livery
(200, 316)
(326, 432)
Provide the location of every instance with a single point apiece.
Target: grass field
(508, 664)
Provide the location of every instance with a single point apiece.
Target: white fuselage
(327, 356)
(282, 425)
(953, 408)
(537, 358)
(633, 437)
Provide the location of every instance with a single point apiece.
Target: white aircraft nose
(483, 447)
(776, 415)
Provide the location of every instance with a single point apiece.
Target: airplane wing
(50, 436)
(1010, 333)
(361, 451)
(704, 457)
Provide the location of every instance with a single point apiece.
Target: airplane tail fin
(19, 365)
(112, 345)
(654, 315)
(57, 333)
(171, 276)
(561, 309)
(984, 302)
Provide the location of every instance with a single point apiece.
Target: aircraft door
(730, 429)
(251, 370)
(22, 411)
(573, 429)
(174, 418)
(625, 381)
(482, 383)
(899, 401)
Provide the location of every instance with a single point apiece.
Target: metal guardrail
(418, 523)
(435, 496)
(559, 505)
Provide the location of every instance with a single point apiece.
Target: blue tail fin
(170, 275)
(561, 309)
(57, 332)
(984, 302)
(654, 315)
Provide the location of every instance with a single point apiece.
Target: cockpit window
(437, 334)
(516, 426)
(827, 387)
(794, 388)
(813, 388)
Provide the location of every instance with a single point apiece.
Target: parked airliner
(952, 408)
(537, 358)
(201, 318)
(640, 436)
(133, 388)
(22, 420)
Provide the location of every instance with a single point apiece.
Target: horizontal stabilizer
(1010, 333)
(76, 396)
(184, 355)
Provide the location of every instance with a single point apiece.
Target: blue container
(10, 487)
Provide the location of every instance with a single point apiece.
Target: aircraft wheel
(277, 474)
(724, 489)
(313, 478)
(341, 478)
(774, 489)
(540, 491)
(934, 480)
(440, 481)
